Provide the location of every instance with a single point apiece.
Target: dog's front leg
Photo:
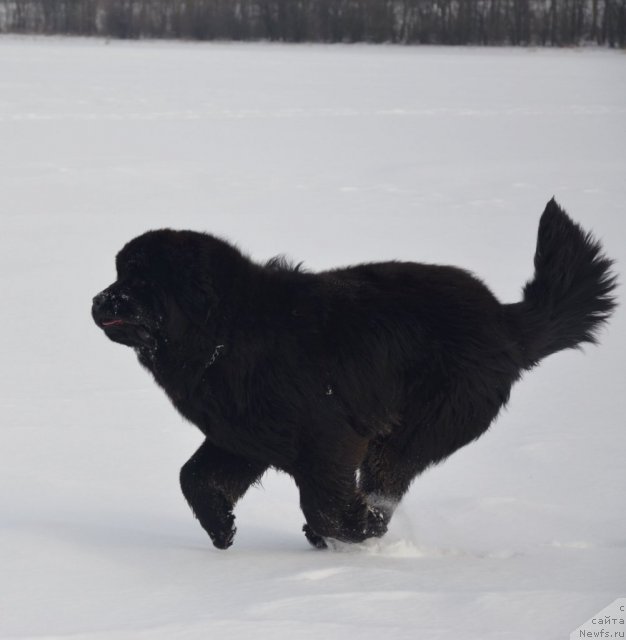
(332, 504)
(212, 481)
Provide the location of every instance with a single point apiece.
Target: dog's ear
(197, 300)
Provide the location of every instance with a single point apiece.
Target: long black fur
(352, 380)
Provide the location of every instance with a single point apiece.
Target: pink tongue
(112, 323)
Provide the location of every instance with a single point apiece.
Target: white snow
(333, 155)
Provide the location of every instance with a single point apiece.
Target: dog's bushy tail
(569, 297)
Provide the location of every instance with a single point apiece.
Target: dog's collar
(215, 355)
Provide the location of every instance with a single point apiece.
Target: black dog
(352, 380)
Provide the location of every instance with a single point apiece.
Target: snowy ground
(333, 155)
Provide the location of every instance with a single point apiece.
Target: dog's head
(163, 289)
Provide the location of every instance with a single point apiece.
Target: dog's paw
(221, 529)
(223, 539)
(314, 539)
(376, 523)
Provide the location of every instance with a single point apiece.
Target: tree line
(476, 22)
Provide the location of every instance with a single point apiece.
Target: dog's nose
(98, 303)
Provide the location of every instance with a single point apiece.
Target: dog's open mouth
(126, 331)
(113, 323)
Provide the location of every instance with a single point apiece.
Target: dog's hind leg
(390, 466)
(212, 481)
(386, 474)
(394, 460)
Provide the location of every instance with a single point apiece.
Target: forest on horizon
(453, 22)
